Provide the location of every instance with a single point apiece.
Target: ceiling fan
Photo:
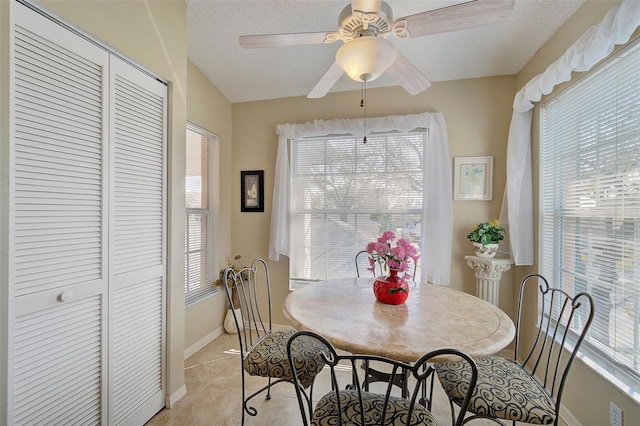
(365, 25)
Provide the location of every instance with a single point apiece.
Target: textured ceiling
(268, 73)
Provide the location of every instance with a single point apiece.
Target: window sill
(621, 380)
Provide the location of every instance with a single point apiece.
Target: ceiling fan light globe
(366, 56)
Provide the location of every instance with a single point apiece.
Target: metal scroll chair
(264, 351)
(362, 261)
(529, 388)
(347, 403)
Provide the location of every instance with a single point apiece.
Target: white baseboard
(203, 342)
(177, 396)
(280, 327)
(172, 399)
(567, 417)
(218, 332)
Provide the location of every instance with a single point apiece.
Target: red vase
(391, 290)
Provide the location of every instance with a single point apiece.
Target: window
(201, 225)
(344, 194)
(590, 207)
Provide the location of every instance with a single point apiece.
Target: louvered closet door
(137, 245)
(58, 197)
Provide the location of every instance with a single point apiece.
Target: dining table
(346, 312)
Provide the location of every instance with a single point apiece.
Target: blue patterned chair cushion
(503, 391)
(268, 358)
(326, 411)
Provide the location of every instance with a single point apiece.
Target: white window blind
(201, 225)
(590, 206)
(344, 194)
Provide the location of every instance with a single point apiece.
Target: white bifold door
(87, 231)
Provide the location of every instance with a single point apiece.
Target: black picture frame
(252, 191)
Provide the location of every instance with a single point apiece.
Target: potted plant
(395, 256)
(485, 237)
(237, 266)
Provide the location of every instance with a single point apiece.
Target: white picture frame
(473, 178)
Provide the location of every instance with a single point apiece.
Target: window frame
(357, 212)
(553, 253)
(210, 211)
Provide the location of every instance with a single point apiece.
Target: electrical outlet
(615, 415)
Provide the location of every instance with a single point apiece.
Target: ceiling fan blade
(277, 40)
(326, 82)
(409, 77)
(473, 14)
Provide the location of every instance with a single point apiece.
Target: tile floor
(213, 397)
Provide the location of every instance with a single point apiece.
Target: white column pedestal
(488, 274)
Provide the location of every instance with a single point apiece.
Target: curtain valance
(596, 44)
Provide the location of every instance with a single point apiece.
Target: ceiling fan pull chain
(363, 103)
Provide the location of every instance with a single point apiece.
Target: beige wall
(154, 34)
(209, 109)
(587, 394)
(477, 114)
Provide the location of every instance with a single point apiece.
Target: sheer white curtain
(437, 220)
(616, 28)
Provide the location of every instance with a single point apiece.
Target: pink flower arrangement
(391, 254)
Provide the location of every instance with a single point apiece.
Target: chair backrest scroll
(245, 290)
(563, 323)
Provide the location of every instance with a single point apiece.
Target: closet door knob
(65, 296)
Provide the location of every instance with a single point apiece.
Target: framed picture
(472, 178)
(252, 190)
